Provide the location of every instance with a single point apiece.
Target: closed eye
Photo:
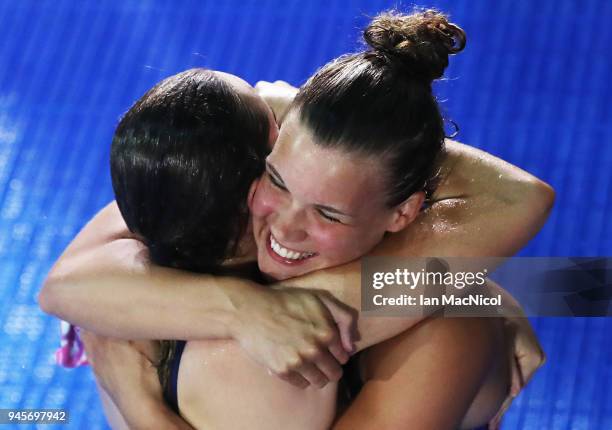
(276, 182)
(328, 217)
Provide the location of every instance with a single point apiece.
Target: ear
(252, 191)
(406, 212)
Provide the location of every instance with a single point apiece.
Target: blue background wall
(531, 87)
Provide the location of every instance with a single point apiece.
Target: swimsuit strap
(171, 393)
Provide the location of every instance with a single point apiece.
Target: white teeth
(286, 253)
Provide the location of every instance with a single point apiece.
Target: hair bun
(421, 41)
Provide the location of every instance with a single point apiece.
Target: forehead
(328, 176)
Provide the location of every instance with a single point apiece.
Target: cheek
(265, 200)
(335, 242)
(340, 245)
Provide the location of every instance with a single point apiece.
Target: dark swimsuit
(171, 393)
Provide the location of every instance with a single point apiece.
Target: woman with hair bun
(361, 152)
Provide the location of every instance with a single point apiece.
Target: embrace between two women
(243, 239)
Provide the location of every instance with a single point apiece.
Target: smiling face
(318, 207)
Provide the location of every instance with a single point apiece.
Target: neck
(246, 251)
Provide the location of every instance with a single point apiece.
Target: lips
(285, 255)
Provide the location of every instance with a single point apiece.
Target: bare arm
(104, 282)
(492, 208)
(125, 377)
(105, 271)
(483, 207)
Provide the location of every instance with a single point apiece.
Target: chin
(280, 272)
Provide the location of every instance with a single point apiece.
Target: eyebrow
(326, 208)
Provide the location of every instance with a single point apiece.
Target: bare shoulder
(445, 341)
(426, 377)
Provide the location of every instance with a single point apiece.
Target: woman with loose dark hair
(183, 160)
(365, 129)
(188, 151)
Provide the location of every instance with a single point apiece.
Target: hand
(299, 335)
(122, 370)
(527, 356)
(125, 371)
(278, 95)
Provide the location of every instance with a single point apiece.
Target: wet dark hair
(380, 102)
(183, 159)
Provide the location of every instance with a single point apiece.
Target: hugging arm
(104, 281)
(483, 207)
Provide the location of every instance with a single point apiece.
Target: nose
(290, 225)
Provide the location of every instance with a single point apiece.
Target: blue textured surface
(531, 87)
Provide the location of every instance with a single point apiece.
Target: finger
(293, 378)
(314, 375)
(339, 353)
(516, 376)
(345, 321)
(262, 84)
(329, 366)
(493, 425)
(496, 421)
(505, 406)
(516, 381)
(333, 343)
(529, 364)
